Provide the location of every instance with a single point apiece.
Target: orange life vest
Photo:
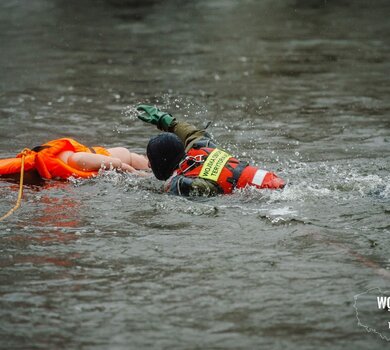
(45, 160)
(234, 174)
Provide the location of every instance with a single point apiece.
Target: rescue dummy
(191, 163)
(63, 158)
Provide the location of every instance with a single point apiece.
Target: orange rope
(24, 152)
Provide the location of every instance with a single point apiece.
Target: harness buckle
(192, 161)
(199, 158)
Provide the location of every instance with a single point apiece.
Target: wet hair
(165, 151)
(40, 148)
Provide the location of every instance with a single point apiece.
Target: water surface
(297, 87)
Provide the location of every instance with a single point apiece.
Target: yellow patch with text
(214, 164)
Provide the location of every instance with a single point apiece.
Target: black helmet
(165, 151)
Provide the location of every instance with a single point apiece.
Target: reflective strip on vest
(214, 164)
(259, 176)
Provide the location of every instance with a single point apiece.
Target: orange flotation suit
(233, 173)
(44, 159)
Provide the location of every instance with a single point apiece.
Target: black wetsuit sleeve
(187, 186)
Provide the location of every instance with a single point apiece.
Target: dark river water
(298, 87)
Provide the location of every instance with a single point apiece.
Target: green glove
(153, 115)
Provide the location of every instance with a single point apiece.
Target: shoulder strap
(236, 172)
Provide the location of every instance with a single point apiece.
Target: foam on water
(309, 184)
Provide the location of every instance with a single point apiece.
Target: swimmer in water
(191, 164)
(119, 158)
(64, 158)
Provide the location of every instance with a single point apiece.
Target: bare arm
(91, 162)
(135, 160)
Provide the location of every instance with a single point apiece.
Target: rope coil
(20, 194)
